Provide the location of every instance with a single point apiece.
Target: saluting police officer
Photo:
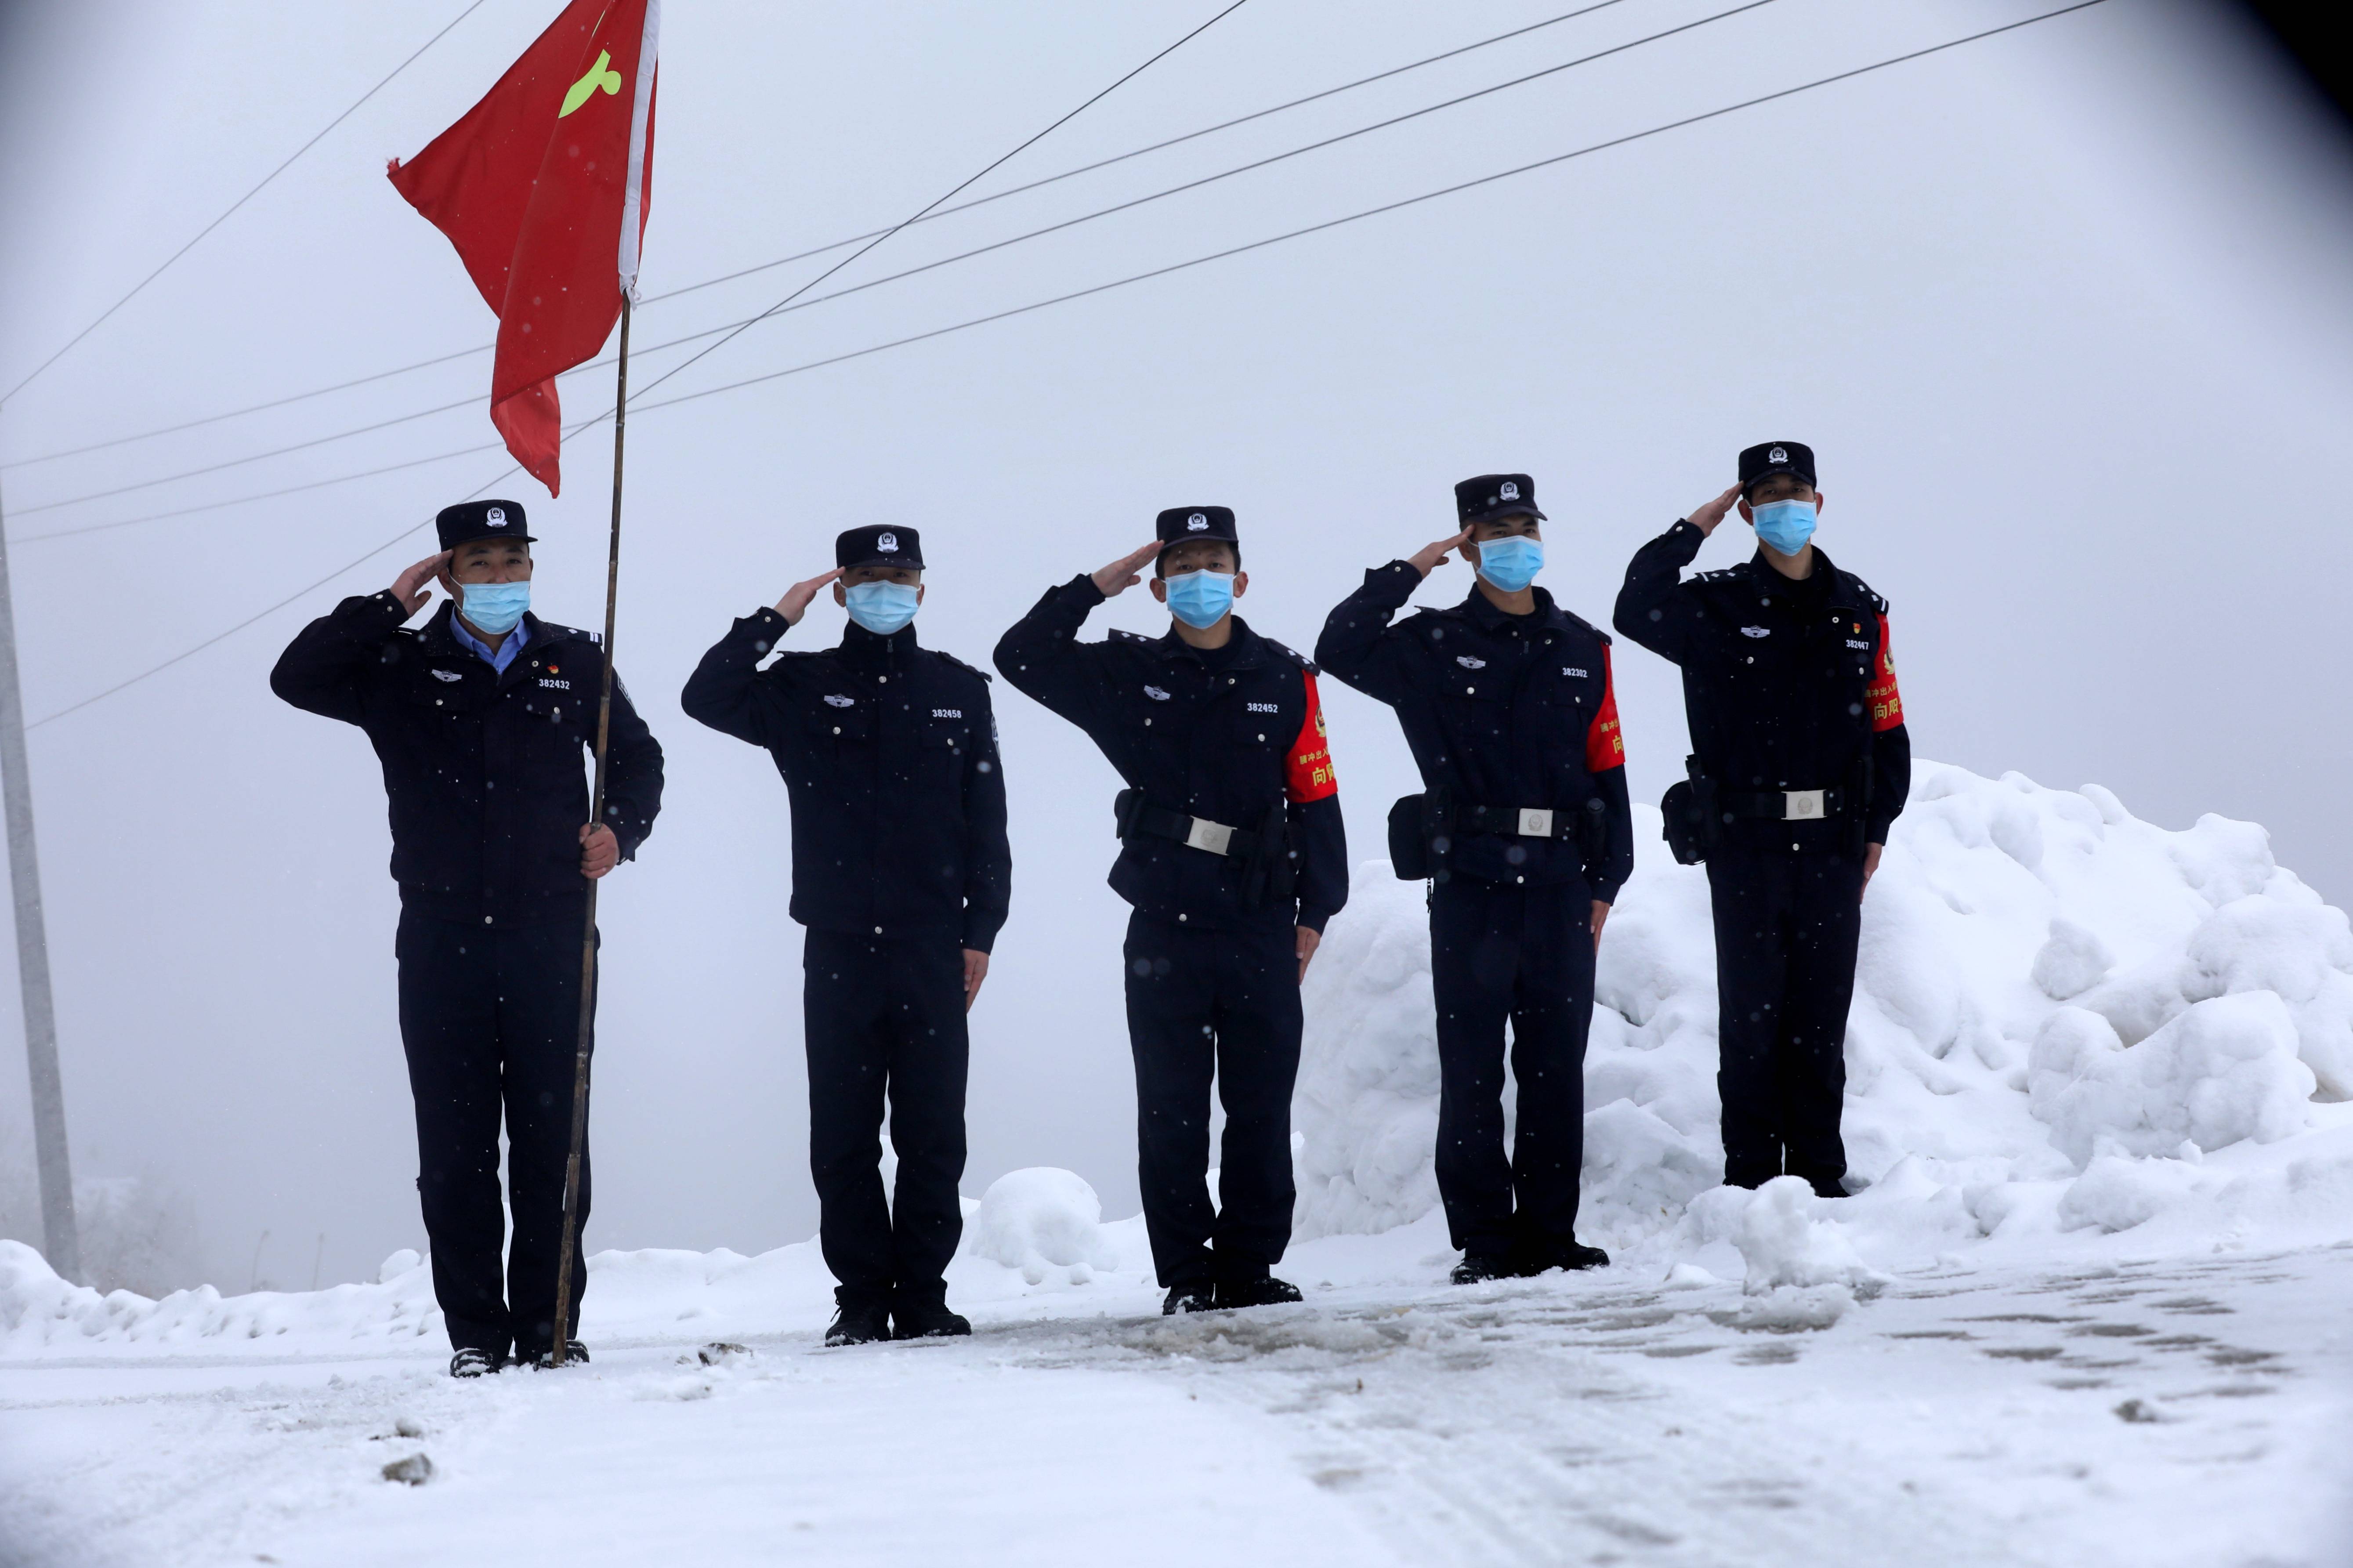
(1800, 762)
(482, 719)
(1523, 832)
(1233, 857)
(902, 875)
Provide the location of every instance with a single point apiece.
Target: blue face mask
(1201, 599)
(1786, 525)
(881, 607)
(1511, 563)
(494, 608)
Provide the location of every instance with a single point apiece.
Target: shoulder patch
(968, 669)
(1119, 634)
(1293, 655)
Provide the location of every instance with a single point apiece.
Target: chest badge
(451, 675)
(1155, 694)
(1577, 674)
(1756, 631)
(833, 702)
(1467, 662)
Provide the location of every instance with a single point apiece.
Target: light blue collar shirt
(498, 657)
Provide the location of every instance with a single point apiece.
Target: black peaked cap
(1769, 458)
(472, 520)
(1491, 496)
(1179, 523)
(879, 544)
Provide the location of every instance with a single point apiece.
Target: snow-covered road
(2189, 1411)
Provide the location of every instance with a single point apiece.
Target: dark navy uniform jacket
(1223, 734)
(888, 751)
(1503, 711)
(1788, 686)
(485, 772)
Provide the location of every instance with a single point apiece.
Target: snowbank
(2065, 1018)
(2072, 1033)
(1040, 1221)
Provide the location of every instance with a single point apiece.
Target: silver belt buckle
(1802, 804)
(1212, 836)
(1534, 823)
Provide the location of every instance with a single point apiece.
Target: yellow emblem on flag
(599, 75)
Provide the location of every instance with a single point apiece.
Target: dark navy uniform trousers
(490, 1019)
(1787, 926)
(1222, 1005)
(883, 1019)
(1499, 951)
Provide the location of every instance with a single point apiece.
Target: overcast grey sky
(2065, 315)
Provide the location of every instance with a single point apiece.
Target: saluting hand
(599, 850)
(796, 602)
(1707, 517)
(1126, 571)
(409, 586)
(976, 970)
(1432, 556)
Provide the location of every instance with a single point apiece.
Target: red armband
(1307, 772)
(1886, 702)
(1605, 743)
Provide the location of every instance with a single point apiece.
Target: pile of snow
(37, 1309)
(2073, 1031)
(1038, 1221)
(1033, 1239)
(2064, 1017)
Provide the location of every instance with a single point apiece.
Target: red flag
(543, 188)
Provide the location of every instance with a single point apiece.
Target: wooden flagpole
(560, 1348)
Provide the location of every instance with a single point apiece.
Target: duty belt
(1783, 805)
(1192, 832)
(1516, 821)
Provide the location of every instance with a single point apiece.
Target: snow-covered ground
(2092, 1306)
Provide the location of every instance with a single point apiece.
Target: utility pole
(62, 1238)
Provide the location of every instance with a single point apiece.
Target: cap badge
(1196, 523)
(1511, 491)
(832, 700)
(1777, 454)
(496, 517)
(889, 542)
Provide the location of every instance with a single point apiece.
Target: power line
(995, 164)
(831, 246)
(1170, 141)
(959, 189)
(733, 327)
(1160, 272)
(240, 201)
(1243, 249)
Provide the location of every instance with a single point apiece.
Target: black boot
(858, 1319)
(471, 1362)
(575, 1354)
(1262, 1292)
(1569, 1254)
(1189, 1298)
(1477, 1268)
(924, 1315)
